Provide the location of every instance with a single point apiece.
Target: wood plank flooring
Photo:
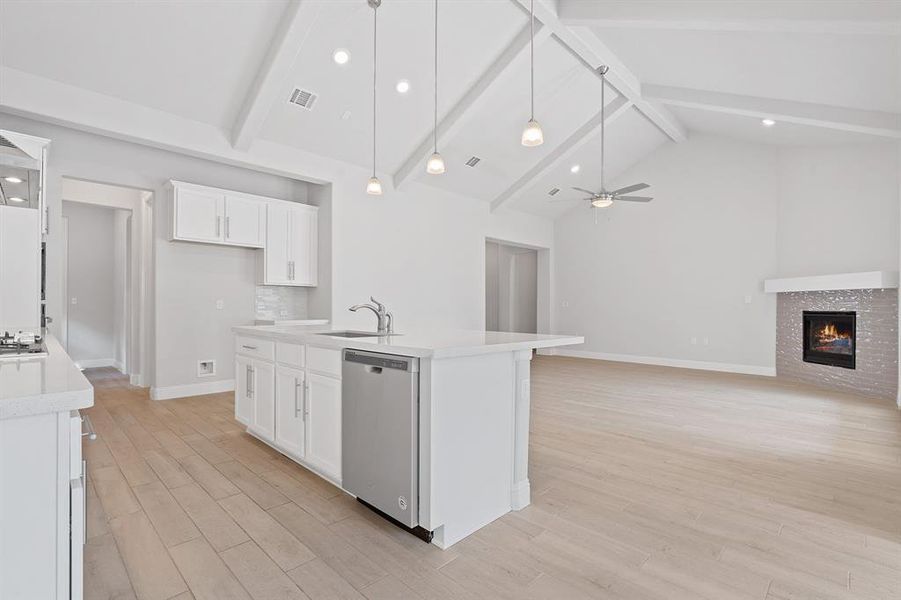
(647, 483)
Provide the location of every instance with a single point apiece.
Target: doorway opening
(104, 275)
(511, 288)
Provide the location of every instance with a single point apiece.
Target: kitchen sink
(354, 334)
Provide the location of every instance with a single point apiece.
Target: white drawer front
(324, 360)
(255, 347)
(289, 354)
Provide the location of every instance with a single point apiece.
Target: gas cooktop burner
(21, 345)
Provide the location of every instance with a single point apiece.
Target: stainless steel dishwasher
(380, 435)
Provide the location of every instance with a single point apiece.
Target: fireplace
(830, 338)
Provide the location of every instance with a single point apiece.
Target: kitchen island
(42, 495)
(473, 417)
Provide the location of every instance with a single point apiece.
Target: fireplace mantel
(842, 281)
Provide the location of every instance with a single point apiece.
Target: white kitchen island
(474, 389)
(42, 475)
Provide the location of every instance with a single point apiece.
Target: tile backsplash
(281, 302)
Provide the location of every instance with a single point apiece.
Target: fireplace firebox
(830, 338)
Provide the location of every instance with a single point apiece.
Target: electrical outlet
(565, 304)
(220, 304)
(694, 341)
(205, 368)
(74, 301)
(706, 341)
(748, 299)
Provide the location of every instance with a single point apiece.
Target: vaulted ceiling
(825, 72)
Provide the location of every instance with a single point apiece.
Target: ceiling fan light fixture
(532, 135)
(602, 202)
(435, 165)
(374, 186)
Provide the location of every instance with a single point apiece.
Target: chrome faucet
(386, 319)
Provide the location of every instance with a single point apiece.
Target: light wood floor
(647, 483)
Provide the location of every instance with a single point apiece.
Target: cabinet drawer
(75, 426)
(255, 347)
(289, 354)
(324, 360)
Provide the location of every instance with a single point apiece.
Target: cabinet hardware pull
(246, 347)
(249, 386)
(227, 228)
(306, 399)
(297, 385)
(218, 226)
(89, 428)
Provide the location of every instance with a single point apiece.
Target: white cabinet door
(290, 405)
(243, 396)
(262, 390)
(245, 219)
(304, 245)
(197, 215)
(20, 268)
(324, 424)
(275, 256)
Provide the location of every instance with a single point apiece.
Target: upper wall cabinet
(214, 216)
(291, 253)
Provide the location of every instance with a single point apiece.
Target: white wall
(188, 278)
(649, 279)
(92, 323)
(420, 250)
(121, 285)
(838, 209)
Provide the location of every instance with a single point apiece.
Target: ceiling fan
(604, 198)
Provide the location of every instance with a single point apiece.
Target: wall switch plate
(205, 368)
(748, 299)
(74, 301)
(220, 304)
(706, 341)
(694, 341)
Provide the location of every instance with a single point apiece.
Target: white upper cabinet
(214, 216)
(292, 240)
(245, 221)
(20, 268)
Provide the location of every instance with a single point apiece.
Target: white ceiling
(193, 59)
(203, 60)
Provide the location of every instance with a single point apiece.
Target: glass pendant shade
(532, 134)
(435, 166)
(374, 186)
(602, 202)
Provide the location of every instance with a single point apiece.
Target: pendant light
(532, 134)
(374, 186)
(435, 165)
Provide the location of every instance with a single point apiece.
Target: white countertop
(33, 386)
(446, 343)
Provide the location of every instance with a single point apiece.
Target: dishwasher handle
(373, 370)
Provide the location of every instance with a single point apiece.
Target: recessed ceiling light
(16, 199)
(575, 168)
(768, 122)
(403, 86)
(341, 56)
(12, 179)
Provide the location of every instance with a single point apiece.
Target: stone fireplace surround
(876, 372)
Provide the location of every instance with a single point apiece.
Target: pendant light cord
(375, 33)
(435, 129)
(532, 58)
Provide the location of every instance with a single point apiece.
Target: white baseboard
(94, 363)
(136, 380)
(192, 389)
(119, 367)
(671, 362)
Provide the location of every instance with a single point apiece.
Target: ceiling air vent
(473, 161)
(303, 98)
(554, 192)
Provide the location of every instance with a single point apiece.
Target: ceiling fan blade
(630, 188)
(633, 198)
(584, 191)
